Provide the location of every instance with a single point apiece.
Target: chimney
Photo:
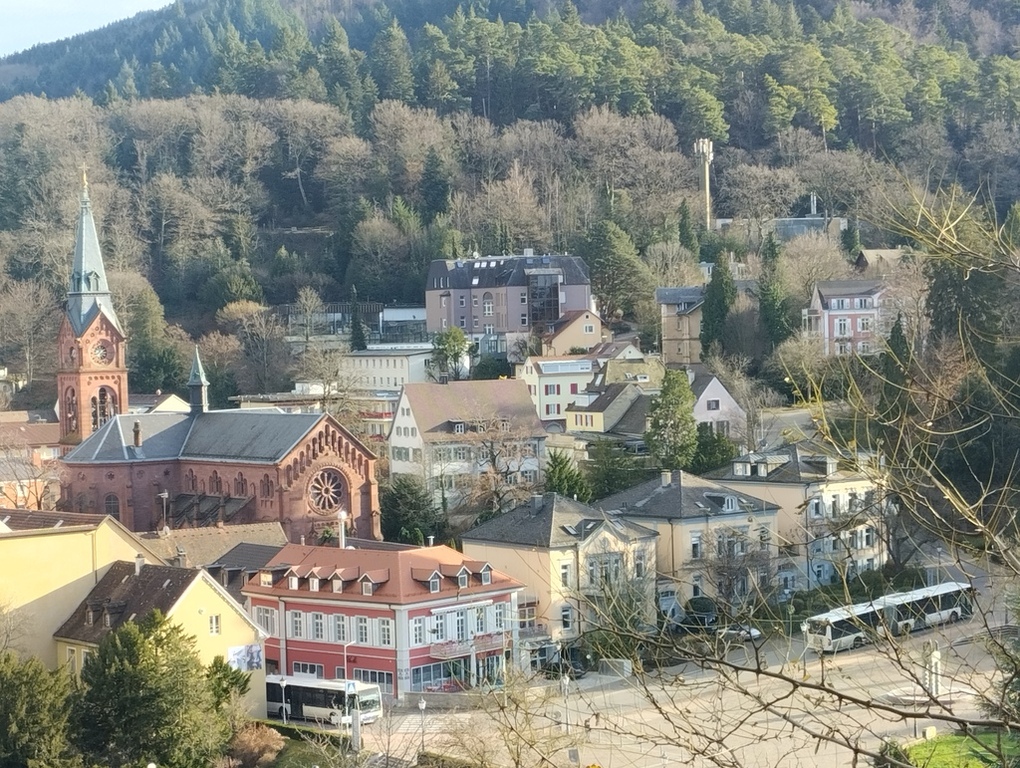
(139, 562)
(432, 541)
(537, 502)
(138, 434)
(666, 478)
(680, 479)
(302, 540)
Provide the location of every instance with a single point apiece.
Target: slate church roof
(258, 436)
(89, 293)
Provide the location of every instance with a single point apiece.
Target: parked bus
(328, 701)
(896, 614)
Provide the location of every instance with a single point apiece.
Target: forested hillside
(243, 149)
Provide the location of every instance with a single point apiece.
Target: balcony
(536, 632)
(455, 649)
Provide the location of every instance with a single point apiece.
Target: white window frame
(266, 618)
(296, 625)
(418, 630)
(339, 627)
(215, 624)
(434, 585)
(361, 633)
(317, 628)
(386, 633)
(307, 669)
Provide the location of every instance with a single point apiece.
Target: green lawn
(953, 751)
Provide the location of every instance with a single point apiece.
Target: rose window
(326, 491)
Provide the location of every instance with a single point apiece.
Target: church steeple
(92, 375)
(89, 293)
(198, 386)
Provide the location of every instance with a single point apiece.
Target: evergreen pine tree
(672, 435)
(686, 232)
(391, 64)
(850, 239)
(562, 477)
(434, 187)
(719, 297)
(714, 449)
(894, 366)
(358, 341)
(773, 302)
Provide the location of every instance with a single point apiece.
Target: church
(171, 470)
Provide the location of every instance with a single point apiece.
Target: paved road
(723, 719)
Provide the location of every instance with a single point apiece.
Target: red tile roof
(400, 576)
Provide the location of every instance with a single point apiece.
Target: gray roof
(559, 522)
(501, 271)
(126, 597)
(683, 295)
(260, 436)
(834, 289)
(635, 418)
(686, 495)
(204, 546)
(89, 293)
(233, 569)
(801, 464)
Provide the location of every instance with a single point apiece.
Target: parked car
(560, 668)
(741, 633)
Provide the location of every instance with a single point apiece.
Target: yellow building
(680, 312)
(570, 557)
(832, 510)
(51, 561)
(713, 541)
(575, 330)
(189, 598)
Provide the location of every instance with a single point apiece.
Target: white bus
(328, 701)
(897, 614)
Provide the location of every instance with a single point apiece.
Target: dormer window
(88, 618)
(338, 585)
(741, 469)
(106, 619)
(730, 504)
(265, 579)
(458, 428)
(462, 580)
(366, 587)
(292, 582)
(486, 576)
(313, 585)
(434, 585)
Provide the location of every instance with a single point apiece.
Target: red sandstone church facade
(197, 468)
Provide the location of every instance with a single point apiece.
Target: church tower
(92, 382)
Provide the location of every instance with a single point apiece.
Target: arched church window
(189, 480)
(113, 505)
(104, 407)
(71, 410)
(215, 483)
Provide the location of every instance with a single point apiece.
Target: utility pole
(703, 151)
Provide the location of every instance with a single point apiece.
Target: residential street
(629, 732)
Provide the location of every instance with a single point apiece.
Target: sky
(23, 23)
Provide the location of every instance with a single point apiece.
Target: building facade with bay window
(423, 619)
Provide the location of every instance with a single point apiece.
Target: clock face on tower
(101, 352)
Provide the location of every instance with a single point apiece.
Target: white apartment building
(556, 382)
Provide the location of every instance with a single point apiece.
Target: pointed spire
(198, 385)
(89, 293)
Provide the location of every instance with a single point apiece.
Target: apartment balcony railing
(455, 649)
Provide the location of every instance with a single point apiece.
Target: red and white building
(410, 619)
(846, 315)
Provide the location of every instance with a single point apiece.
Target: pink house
(411, 619)
(846, 315)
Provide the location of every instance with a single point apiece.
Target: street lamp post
(345, 659)
(565, 684)
(421, 708)
(283, 695)
(164, 495)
